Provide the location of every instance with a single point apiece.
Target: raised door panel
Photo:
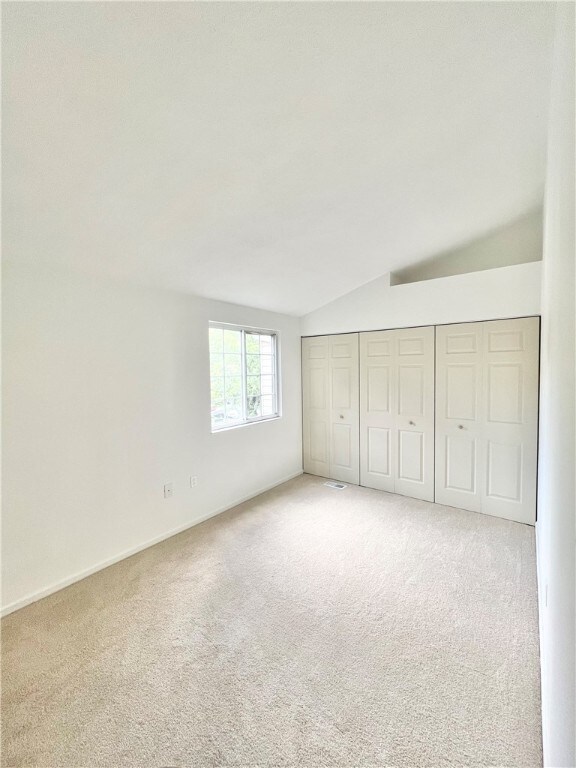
(344, 408)
(461, 382)
(510, 404)
(378, 390)
(461, 460)
(414, 412)
(410, 456)
(459, 363)
(316, 405)
(377, 411)
(378, 455)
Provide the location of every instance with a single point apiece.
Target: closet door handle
(412, 423)
(460, 426)
(341, 416)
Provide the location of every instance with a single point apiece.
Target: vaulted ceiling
(270, 154)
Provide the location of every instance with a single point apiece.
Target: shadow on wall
(518, 242)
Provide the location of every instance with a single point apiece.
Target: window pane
(218, 413)
(268, 407)
(217, 365)
(216, 339)
(253, 364)
(252, 343)
(266, 364)
(234, 410)
(232, 341)
(253, 386)
(254, 408)
(217, 389)
(266, 346)
(242, 376)
(233, 388)
(233, 365)
(267, 385)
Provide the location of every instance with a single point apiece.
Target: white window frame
(244, 330)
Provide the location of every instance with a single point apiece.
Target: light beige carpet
(308, 627)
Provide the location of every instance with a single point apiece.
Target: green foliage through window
(243, 375)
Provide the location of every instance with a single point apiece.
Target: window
(243, 375)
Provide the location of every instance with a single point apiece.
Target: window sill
(246, 424)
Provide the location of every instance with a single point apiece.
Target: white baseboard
(63, 583)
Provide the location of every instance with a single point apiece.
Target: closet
(441, 413)
(397, 411)
(330, 406)
(487, 417)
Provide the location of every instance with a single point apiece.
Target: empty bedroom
(288, 385)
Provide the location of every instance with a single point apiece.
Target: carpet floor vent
(337, 486)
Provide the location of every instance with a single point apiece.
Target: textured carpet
(307, 627)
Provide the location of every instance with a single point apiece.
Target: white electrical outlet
(168, 490)
(193, 481)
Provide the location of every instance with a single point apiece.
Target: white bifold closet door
(330, 406)
(487, 417)
(397, 411)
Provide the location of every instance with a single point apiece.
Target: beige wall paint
(106, 398)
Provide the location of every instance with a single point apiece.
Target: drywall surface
(497, 293)
(556, 527)
(106, 399)
(518, 242)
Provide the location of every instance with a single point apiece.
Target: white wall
(518, 242)
(556, 527)
(497, 293)
(106, 398)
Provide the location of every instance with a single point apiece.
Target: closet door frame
(481, 478)
(377, 411)
(415, 411)
(397, 422)
(489, 433)
(330, 407)
(458, 466)
(315, 357)
(344, 408)
(511, 428)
